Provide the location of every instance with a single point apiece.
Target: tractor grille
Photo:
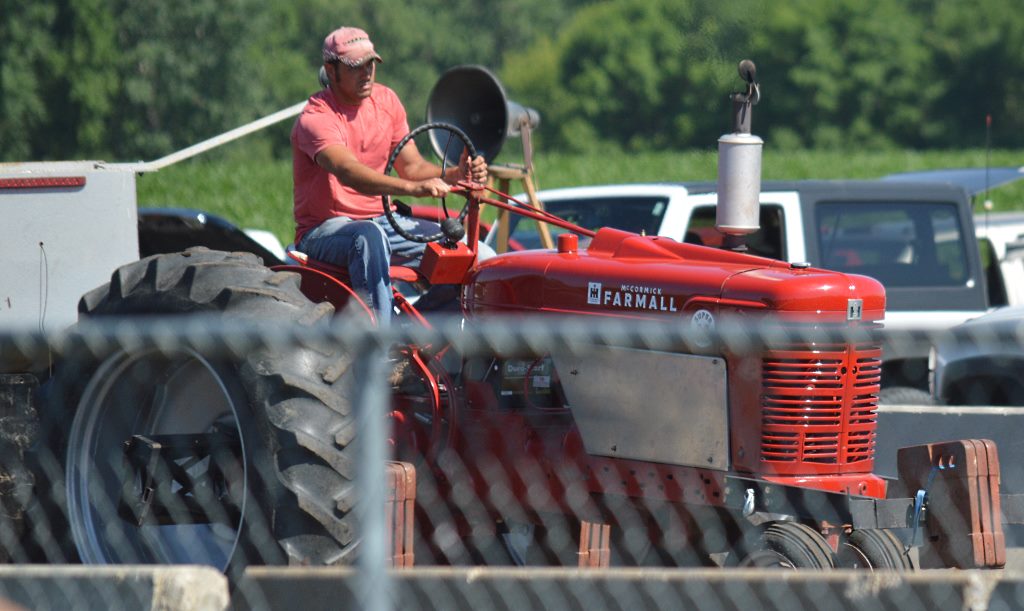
(819, 404)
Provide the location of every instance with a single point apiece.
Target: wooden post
(503, 175)
(399, 513)
(595, 551)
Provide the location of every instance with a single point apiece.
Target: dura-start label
(631, 297)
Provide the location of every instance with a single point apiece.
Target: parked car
(981, 362)
(1001, 229)
(165, 230)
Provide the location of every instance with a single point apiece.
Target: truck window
(897, 243)
(629, 213)
(766, 241)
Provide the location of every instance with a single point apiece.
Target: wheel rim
(767, 559)
(853, 557)
(149, 393)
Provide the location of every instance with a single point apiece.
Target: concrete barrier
(515, 589)
(132, 588)
(907, 425)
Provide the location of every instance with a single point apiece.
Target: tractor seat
(397, 272)
(408, 286)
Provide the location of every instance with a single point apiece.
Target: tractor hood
(622, 274)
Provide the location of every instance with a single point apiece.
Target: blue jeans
(365, 248)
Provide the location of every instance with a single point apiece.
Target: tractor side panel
(651, 406)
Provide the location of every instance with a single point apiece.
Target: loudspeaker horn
(472, 99)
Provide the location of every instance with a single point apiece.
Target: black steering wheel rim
(386, 199)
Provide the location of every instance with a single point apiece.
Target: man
(340, 147)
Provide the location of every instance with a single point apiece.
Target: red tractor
(703, 451)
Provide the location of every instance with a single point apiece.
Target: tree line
(120, 80)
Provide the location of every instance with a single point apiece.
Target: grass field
(259, 193)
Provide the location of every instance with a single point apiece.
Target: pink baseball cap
(350, 46)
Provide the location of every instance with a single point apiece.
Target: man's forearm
(425, 170)
(374, 183)
(367, 180)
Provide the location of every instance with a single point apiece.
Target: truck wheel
(905, 395)
(174, 456)
(987, 390)
(874, 549)
(790, 545)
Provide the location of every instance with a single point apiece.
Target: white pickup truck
(914, 233)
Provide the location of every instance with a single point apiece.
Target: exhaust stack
(739, 168)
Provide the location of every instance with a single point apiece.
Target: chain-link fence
(281, 437)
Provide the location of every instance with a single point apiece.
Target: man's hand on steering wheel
(431, 187)
(472, 170)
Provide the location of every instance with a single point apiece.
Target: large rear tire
(285, 491)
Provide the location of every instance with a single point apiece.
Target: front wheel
(874, 549)
(790, 545)
(182, 457)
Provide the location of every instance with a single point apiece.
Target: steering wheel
(451, 227)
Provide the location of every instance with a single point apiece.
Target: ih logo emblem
(854, 309)
(594, 293)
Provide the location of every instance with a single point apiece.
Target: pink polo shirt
(370, 131)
